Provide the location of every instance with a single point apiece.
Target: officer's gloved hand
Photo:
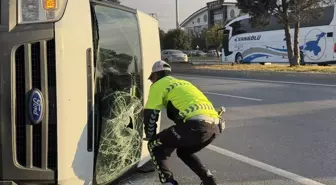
(220, 112)
(149, 136)
(146, 139)
(150, 132)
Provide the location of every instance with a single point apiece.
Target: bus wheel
(239, 58)
(302, 62)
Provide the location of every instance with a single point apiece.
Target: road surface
(277, 133)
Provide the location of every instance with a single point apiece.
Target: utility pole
(177, 14)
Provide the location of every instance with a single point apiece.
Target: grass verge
(270, 68)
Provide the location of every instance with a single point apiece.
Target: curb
(213, 62)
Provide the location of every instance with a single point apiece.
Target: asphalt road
(277, 133)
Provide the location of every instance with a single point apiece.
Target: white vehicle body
(172, 55)
(246, 43)
(196, 52)
(213, 53)
(73, 84)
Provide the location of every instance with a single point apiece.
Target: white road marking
(232, 96)
(257, 80)
(269, 168)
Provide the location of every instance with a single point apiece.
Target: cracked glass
(118, 96)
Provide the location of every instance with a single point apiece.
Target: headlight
(36, 11)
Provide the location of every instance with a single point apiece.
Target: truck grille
(36, 145)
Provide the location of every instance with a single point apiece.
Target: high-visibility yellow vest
(184, 96)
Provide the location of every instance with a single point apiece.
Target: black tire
(239, 58)
(323, 64)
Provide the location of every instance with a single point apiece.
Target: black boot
(209, 179)
(171, 182)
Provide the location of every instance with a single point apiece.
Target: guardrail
(204, 59)
(201, 60)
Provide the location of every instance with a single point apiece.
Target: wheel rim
(239, 59)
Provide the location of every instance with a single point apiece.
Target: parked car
(171, 55)
(195, 53)
(212, 53)
(186, 52)
(200, 53)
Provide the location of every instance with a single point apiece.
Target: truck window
(118, 102)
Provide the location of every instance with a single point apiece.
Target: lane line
(257, 80)
(232, 96)
(264, 166)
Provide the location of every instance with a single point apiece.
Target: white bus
(73, 77)
(245, 43)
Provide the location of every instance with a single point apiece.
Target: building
(215, 12)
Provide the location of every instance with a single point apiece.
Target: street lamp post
(177, 14)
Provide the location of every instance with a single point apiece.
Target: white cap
(160, 66)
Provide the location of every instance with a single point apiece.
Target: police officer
(196, 123)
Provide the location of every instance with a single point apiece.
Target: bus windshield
(226, 38)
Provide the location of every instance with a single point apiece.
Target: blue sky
(165, 9)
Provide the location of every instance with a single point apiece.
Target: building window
(197, 29)
(232, 13)
(205, 18)
(198, 20)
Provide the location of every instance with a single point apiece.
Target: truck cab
(73, 78)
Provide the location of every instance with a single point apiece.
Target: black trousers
(187, 138)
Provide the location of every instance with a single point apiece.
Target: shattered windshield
(118, 93)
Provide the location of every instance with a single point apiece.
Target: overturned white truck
(73, 76)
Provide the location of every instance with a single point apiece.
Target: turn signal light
(50, 4)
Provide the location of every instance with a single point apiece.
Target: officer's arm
(152, 110)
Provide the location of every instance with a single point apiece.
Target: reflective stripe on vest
(176, 84)
(196, 107)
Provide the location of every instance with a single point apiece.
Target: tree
(177, 39)
(287, 12)
(214, 37)
(198, 39)
(162, 36)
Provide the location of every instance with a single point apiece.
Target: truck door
(118, 86)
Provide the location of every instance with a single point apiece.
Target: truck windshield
(118, 96)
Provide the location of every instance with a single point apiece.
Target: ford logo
(35, 106)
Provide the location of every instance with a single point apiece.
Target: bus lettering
(249, 38)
